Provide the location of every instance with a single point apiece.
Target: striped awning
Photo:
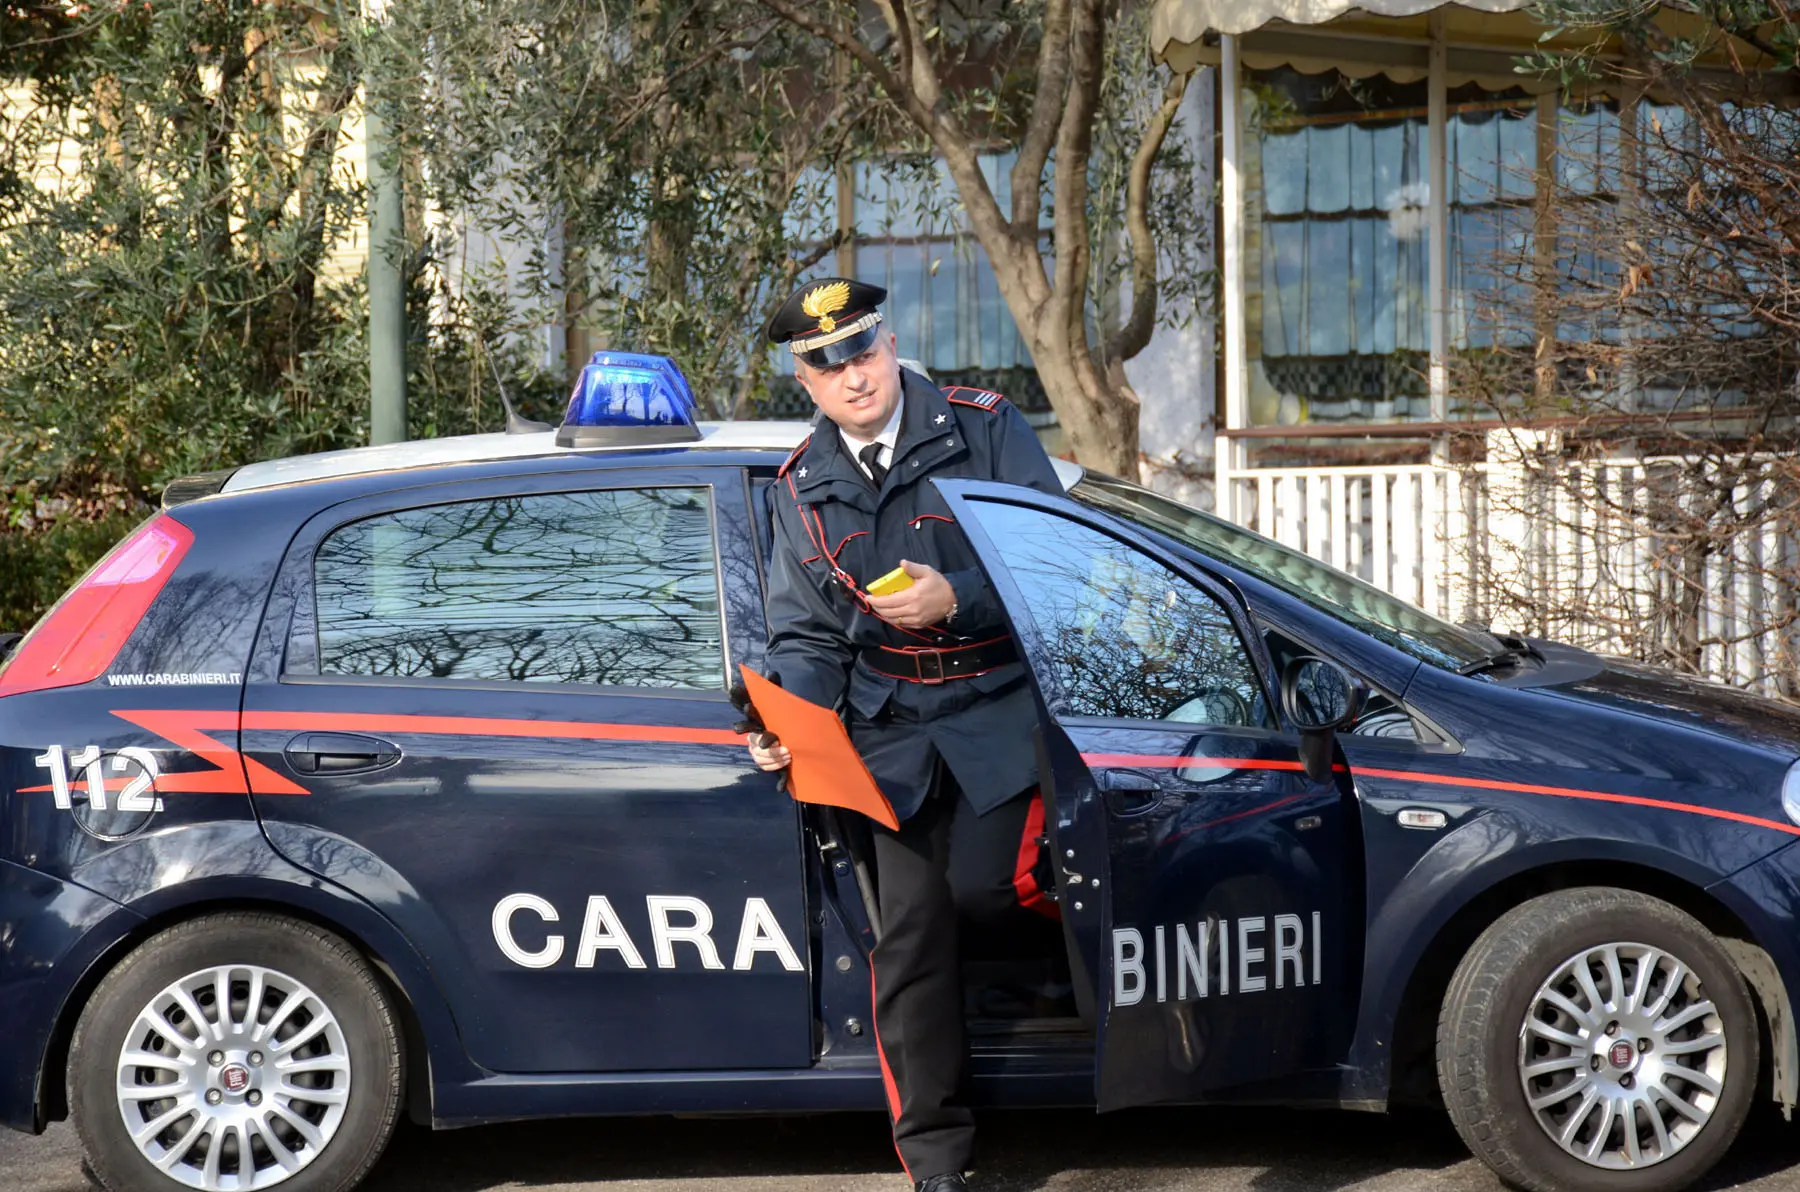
(1191, 20)
(1483, 39)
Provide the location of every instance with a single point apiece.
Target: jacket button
(915, 463)
(949, 442)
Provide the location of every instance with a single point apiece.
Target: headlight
(1790, 793)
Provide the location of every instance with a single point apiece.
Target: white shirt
(890, 435)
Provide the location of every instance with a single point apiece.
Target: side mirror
(1320, 697)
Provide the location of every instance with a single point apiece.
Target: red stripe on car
(1151, 761)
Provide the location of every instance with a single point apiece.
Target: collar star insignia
(942, 418)
(802, 473)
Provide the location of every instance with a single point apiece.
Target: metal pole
(1227, 449)
(387, 246)
(1438, 233)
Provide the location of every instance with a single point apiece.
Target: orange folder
(826, 767)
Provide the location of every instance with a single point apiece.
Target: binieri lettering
(1215, 957)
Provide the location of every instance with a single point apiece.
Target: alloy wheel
(235, 1077)
(1622, 1055)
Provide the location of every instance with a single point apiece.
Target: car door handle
(339, 753)
(1128, 792)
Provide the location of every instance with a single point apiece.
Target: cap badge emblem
(823, 301)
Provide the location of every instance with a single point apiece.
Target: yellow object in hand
(894, 581)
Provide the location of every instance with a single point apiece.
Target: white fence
(1620, 556)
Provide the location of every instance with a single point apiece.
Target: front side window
(616, 587)
(1124, 636)
(1337, 594)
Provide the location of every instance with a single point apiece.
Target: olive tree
(181, 231)
(1036, 75)
(675, 153)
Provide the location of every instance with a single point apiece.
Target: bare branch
(899, 23)
(316, 155)
(657, 93)
(847, 42)
(1074, 139)
(1046, 117)
(919, 96)
(1130, 339)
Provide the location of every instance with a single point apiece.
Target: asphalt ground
(1201, 1150)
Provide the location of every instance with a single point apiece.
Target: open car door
(1211, 890)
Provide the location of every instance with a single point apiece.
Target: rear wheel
(237, 1051)
(1597, 1039)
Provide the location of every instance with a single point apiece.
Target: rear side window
(618, 587)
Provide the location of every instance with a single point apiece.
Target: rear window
(618, 587)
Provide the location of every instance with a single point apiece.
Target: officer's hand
(774, 756)
(927, 602)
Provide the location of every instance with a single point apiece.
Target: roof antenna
(515, 423)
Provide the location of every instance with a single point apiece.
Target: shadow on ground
(1022, 1151)
(1190, 1150)
(1265, 1150)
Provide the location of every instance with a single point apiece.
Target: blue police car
(403, 780)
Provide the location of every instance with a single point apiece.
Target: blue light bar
(629, 397)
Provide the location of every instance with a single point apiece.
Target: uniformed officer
(931, 682)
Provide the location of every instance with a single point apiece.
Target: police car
(403, 780)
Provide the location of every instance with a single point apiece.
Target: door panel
(1226, 920)
(1211, 886)
(506, 708)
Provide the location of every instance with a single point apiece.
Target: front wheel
(1597, 1040)
(237, 1051)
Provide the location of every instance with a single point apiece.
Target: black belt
(933, 666)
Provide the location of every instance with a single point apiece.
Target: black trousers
(944, 864)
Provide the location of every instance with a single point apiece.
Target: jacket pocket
(869, 692)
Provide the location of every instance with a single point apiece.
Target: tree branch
(656, 94)
(899, 23)
(919, 96)
(1040, 131)
(312, 180)
(215, 154)
(1130, 339)
(870, 61)
(1074, 141)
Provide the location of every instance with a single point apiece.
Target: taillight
(78, 639)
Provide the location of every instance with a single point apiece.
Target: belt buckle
(937, 664)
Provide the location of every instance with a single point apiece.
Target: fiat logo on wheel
(235, 1078)
(1622, 1054)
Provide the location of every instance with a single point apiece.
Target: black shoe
(953, 1182)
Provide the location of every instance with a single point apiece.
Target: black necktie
(871, 460)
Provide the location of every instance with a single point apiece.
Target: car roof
(485, 448)
(496, 447)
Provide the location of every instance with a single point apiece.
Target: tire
(325, 1044)
(1500, 1014)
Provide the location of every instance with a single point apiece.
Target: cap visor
(848, 348)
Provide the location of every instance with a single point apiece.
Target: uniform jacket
(833, 532)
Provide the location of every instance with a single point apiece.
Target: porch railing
(1571, 554)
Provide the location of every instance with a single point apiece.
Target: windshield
(1360, 605)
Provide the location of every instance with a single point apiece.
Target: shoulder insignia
(981, 399)
(798, 452)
